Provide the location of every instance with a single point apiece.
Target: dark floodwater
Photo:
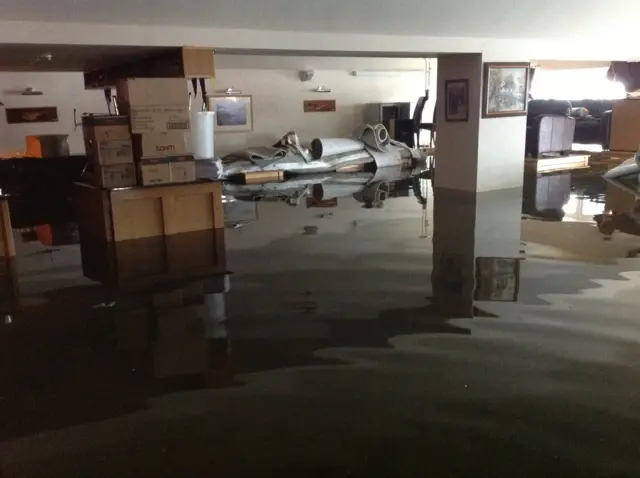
(365, 328)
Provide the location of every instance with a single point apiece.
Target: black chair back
(417, 113)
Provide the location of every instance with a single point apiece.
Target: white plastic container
(202, 134)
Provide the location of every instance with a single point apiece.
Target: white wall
(498, 223)
(501, 143)
(62, 90)
(457, 142)
(278, 102)
(277, 97)
(501, 153)
(482, 154)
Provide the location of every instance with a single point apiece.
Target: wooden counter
(625, 125)
(138, 237)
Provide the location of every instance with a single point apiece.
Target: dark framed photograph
(457, 104)
(505, 89)
(34, 114)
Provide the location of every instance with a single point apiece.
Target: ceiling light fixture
(322, 89)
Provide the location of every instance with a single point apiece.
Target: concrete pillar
(480, 154)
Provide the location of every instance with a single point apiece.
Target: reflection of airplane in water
(323, 190)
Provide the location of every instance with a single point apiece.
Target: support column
(479, 154)
(476, 250)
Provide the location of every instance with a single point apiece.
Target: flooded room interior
(253, 243)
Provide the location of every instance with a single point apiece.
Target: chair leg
(417, 139)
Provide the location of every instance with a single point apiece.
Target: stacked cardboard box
(108, 144)
(158, 109)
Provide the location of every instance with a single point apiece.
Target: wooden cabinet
(625, 125)
(138, 237)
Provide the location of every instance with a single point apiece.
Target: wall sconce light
(306, 75)
(322, 89)
(232, 91)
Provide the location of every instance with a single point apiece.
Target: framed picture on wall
(34, 114)
(457, 100)
(505, 89)
(234, 114)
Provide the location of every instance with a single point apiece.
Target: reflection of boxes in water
(181, 346)
(180, 357)
(180, 321)
(240, 211)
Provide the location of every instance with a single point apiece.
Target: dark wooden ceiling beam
(180, 62)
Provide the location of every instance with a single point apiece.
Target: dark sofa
(550, 127)
(594, 128)
(548, 133)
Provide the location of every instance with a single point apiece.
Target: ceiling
(434, 18)
(21, 57)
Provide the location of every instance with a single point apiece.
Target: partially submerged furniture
(592, 118)
(593, 127)
(141, 236)
(625, 125)
(550, 128)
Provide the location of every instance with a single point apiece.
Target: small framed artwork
(505, 89)
(234, 114)
(457, 104)
(318, 106)
(37, 114)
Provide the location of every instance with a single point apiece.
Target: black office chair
(419, 126)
